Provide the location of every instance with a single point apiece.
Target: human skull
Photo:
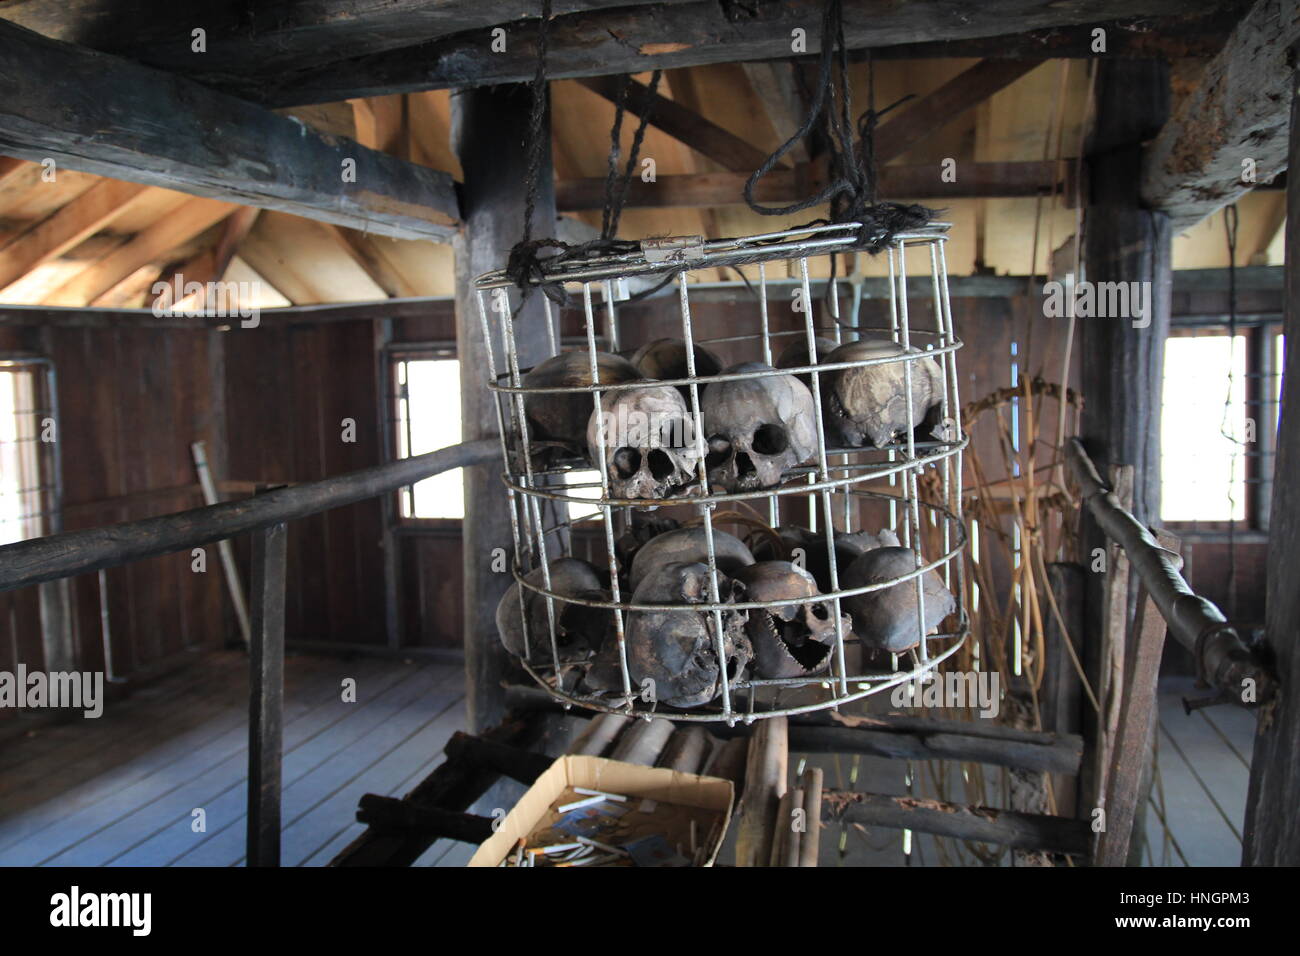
(808, 548)
(688, 545)
(579, 629)
(790, 640)
(665, 359)
(644, 528)
(757, 428)
(677, 648)
(650, 448)
(868, 405)
(559, 421)
(795, 355)
(887, 619)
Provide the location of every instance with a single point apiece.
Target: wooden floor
(1203, 763)
(123, 790)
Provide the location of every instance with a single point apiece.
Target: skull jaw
(749, 471)
(790, 648)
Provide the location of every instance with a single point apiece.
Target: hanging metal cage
(560, 509)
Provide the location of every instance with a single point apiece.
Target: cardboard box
(535, 809)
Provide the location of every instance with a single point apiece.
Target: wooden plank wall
(287, 393)
(130, 403)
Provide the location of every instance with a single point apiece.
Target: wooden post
(266, 696)
(490, 134)
(1123, 243)
(1272, 831)
(765, 785)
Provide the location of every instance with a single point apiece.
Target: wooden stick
(686, 750)
(598, 735)
(643, 742)
(812, 805)
(765, 784)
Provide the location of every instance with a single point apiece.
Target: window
(1219, 413)
(428, 418)
(27, 465)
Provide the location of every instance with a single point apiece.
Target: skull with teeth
(689, 545)
(790, 640)
(677, 648)
(757, 428)
(558, 421)
(887, 619)
(579, 630)
(649, 444)
(869, 404)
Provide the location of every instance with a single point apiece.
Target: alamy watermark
(215, 299)
(1098, 300)
(74, 690)
(625, 427)
(981, 690)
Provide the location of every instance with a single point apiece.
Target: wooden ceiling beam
(66, 227)
(682, 124)
(609, 42)
(935, 110)
(776, 88)
(381, 272)
(210, 265)
(149, 245)
(922, 181)
(145, 126)
(1238, 115)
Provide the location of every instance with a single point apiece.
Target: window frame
(393, 354)
(49, 463)
(1260, 332)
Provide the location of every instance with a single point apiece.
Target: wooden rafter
(361, 250)
(932, 112)
(609, 42)
(210, 265)
(1238, 114)
(151, 244)
(683, 124)
(774, 85)
(67, 227)
(920, 181)
(260, 158)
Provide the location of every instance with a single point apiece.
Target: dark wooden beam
(1023, 831)
(145, 126)
(1271, 834)
(664, 36)
(1120, 424)
(923, 181)
(490, 135)
(684, 125)
(933, 111)
(1237, 115)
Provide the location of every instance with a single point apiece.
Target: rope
(531, 259)
(851, 186)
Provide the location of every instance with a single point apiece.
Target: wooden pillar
(1123, 357)
(490, 135)
(1272, 829)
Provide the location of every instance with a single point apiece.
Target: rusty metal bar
(1222, 659)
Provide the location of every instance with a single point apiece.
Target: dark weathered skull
(579, 630)
(809, 547)
(677, 649)
(687, 545)
(559, 421)
(868, 405)
(757, 428)
(645, 527)
(650, 447)
(887, 619)
(790, 640)
(795, 355)
(665, 359)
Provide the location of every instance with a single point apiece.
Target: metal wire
(855, 475)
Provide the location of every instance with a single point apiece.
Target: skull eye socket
(661, 465)
(627, 462)
(770, 440)
(819, 611)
